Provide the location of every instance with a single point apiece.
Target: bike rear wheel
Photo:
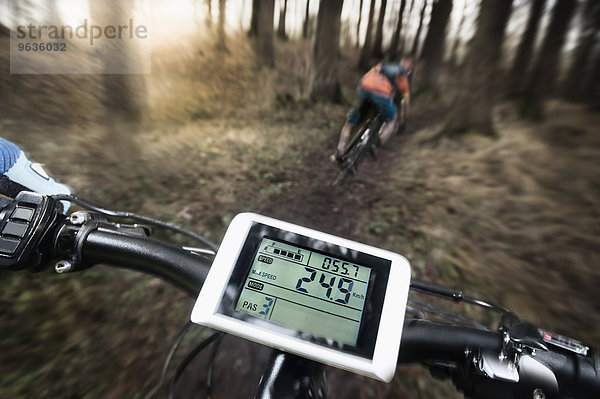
(363, 142)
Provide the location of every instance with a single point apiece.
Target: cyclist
(379, 87)
(17, 173)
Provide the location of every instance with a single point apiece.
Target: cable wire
(129, 215)
(188, 359)
(170, 355)
(211, 363)
(447, 315)
(454, 295)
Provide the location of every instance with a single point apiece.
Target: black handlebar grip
(424, 340)
(589, 375)
(578, 376)
(169, 262)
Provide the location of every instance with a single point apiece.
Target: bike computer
(309, 293)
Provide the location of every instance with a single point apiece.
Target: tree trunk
(221, 45)
(7, 79)
(393, 51)
(264, 32)
(523, 57)
(325, 60)
(473, 106)
(53, 13)
(457, 40)
(543, 76)
(208, 20)
(281, 28)
(253, 31)
(433, 49)
(123, 96)
(358, 25)
(576, 80)
(365, 54)
(415, 46)
(378, 45)
(592, 90)
(306, 21)
(408, 23)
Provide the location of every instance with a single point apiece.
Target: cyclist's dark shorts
(384, 105)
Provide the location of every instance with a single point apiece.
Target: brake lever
(525, 336)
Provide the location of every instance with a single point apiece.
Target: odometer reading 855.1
(306, 290)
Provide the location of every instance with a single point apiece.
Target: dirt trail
(313, 201)
(514, 218)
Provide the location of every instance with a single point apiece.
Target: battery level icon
(284, 253)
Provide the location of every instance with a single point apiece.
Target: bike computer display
(309, 293)
(305, 290)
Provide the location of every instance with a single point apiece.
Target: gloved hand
(17, 173)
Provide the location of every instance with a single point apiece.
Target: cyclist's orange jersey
(376, 82)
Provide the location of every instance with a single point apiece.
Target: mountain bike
(316, 299)
(366, 140)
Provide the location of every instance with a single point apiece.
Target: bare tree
(408, 22)
(416, 42)
(378, 45)
(221, 45)
(457, 39)
(264, 31)
(433, 49)
(575, 82)
(6, 79)
(365, 54)
(360, 7)
(122, 93)
(122, 96)
(473, 106)
(4, 29)
(208, 20)
(281, 28)
(53, 13)
(393, 50)
(543, 76)
(523, 57)
(306, 20)
(253, 31)
(592, 89)
(325, 60)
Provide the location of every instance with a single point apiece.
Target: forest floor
(513, 219)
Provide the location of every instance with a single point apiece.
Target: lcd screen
(305, 290)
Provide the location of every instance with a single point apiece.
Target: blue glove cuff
(9, 153)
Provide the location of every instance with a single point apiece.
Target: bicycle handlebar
(422, 342)
(577, 376)
(428, 341)
(166, 261)
(571, 375)
(425, 342)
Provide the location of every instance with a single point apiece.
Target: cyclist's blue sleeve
(9, 153)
